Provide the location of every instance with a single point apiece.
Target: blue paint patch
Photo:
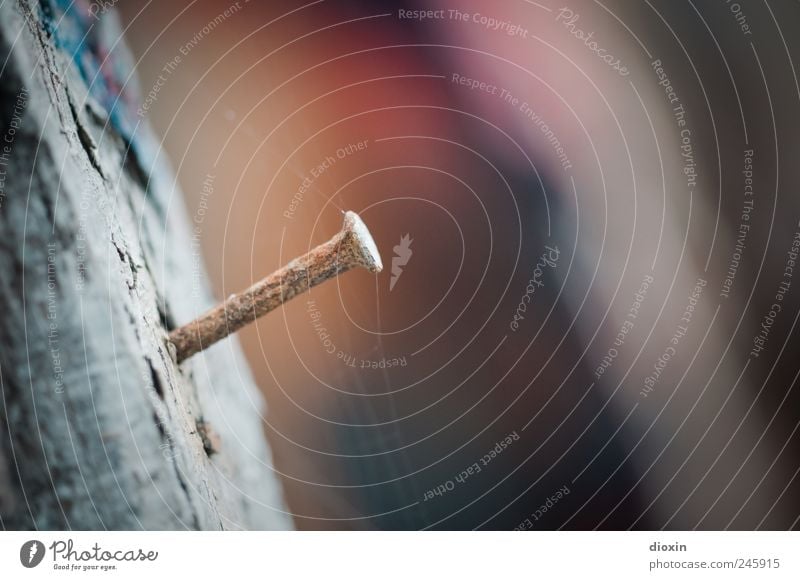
(102, 62)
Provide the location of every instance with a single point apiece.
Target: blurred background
(590, 209)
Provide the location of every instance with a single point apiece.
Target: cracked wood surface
(98, 427)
